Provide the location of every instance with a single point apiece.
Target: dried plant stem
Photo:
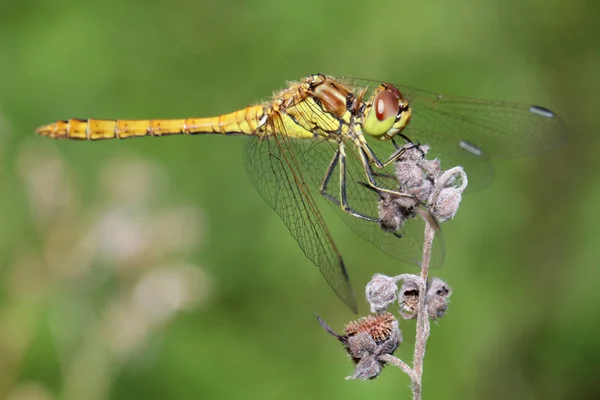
(420, 181)
(422, 331)
(395, 361)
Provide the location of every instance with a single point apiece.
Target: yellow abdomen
(244, 121)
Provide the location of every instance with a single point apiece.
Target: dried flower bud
(408, 298)
(366, 339)
(408, 174)
(391, 214)
(447, 203)
(446, 199)
(438, 293)
(438, 287)
(414, 153)
(436, 299)
(406, 204)
(367, 368)
(413, 180)
(421, 182)
(394, 209)
(436, 307)
(360, 345)
(381, 292)
(379, 327)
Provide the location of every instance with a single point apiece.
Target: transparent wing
(468, 132)
(405, 244)
(479, 169)
(273, 166)
(316, 159)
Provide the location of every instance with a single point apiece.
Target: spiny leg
(328, 173)
(395, 155)
(401, 149)
(343, 195)
(339, 158)
(371, 177)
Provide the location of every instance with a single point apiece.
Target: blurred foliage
(152, 269)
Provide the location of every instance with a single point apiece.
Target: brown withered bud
(438, 287)
(421, 183)
(447, 203)
(423, 189)
(436, 307)
(415, 175)
(408, 298)
(425, 183)
(416, 182)
(438, 293)
(366, 339)
(381, 291)
(409, 174)
(366, 368)
(379, 327)
(394, 211)
(436, 299)
(446, 199)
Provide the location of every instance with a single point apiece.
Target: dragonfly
(336, 138)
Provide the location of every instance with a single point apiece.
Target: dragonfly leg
(406, 138)
(328, 173)
(339, 158)
(400, 150)
(372, 156)
(371, 176)
(343, 196)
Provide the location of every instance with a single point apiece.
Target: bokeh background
(152, 269)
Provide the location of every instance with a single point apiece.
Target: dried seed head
(366, 339)
(391, 215)
(446, 199)
(436, 307)
(378, 326)
(436, 299)
(408, 299)
(360, 345)
(415, 176)
(407, 202)
(367, 368)
(438, 293)
(439, 287)
(414, 188)
(381, 291)
(414, 153)
(420, 182)
(447, 204)
(409, 174)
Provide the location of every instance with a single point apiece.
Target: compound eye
(386, 105)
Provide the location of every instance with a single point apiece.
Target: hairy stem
(395, 361)
(422, 331)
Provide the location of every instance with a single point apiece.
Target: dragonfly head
(386, 113)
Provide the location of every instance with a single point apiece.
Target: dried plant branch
(395, 361)
(423, 329)
(433, 195)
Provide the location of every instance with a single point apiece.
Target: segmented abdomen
(244, 121)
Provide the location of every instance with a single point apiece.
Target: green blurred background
(152, 269)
